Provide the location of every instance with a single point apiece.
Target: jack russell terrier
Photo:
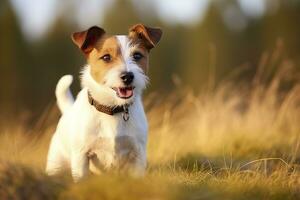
(105, 127)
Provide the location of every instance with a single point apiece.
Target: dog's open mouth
(124, 92)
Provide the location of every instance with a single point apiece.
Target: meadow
(231, 140)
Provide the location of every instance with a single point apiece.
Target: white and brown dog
(105, 127)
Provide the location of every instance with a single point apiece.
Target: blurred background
(204, 42)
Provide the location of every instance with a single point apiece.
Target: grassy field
(230, 141)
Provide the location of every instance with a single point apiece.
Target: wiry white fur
(82, 128)
(63, 94)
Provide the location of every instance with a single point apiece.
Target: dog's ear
(151, 36)
(86, 40)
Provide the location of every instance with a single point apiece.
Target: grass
(231, 141)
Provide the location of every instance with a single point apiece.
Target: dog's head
(117, 65)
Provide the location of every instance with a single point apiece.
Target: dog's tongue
(125, 92)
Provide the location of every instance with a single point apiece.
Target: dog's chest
(117, 153)
(107, 126)
(113, 144)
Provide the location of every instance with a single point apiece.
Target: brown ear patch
(86, 40)
(151, 36)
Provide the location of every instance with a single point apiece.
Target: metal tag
(125, 113)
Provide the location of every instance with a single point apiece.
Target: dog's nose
(127, 77)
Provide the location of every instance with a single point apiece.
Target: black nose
(127, 77)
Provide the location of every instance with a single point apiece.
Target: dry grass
(227, 142)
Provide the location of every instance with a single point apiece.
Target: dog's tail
(63, 94)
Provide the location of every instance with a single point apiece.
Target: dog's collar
(108, 109)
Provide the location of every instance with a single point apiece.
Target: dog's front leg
(138, 167)
(79, 166)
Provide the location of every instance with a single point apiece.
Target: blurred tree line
(194, 53)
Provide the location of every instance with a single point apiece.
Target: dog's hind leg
(79, 166)
(56, 162)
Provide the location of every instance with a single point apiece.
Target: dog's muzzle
(127, 77)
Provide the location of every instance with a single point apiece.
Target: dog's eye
(137, 56)
(106, 58)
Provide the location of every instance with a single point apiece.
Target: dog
(105, 128)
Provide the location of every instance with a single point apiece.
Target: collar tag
(125, 114)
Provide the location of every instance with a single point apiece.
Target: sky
(37, 15)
